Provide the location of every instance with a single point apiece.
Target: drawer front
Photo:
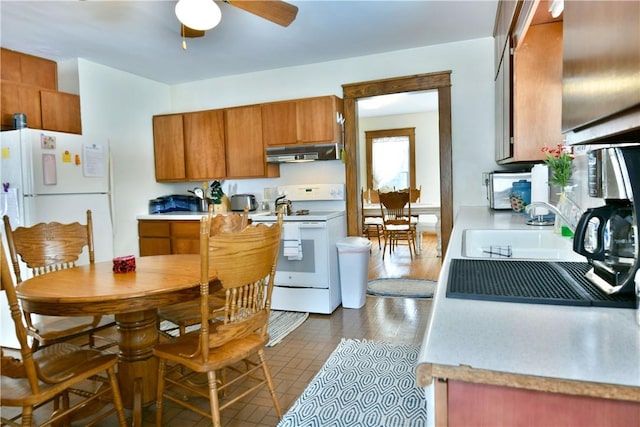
(185, 229)
(154, 228)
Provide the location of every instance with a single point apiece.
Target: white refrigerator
(53, 176)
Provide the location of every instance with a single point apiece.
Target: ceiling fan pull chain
(184, 40)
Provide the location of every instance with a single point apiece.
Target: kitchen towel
(540, 188)
(292, 245)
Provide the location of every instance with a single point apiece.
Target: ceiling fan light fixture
(198, 14)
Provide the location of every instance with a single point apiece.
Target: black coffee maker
(608, 235)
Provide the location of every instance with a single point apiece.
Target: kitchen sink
(534, 244)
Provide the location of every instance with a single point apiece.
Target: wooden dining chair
(371, 226)
(48, 247)
(57, 379)
(395, 207)
(186, 314)
(244, 263)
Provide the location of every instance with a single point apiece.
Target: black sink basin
(534, 282)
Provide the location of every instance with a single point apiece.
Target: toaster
(239, 201)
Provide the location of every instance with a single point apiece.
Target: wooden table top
(96, 289)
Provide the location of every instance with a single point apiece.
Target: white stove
(307, 277)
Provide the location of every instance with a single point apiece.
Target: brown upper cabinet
(302, 121)
(601, 70)
(528, 83)
(29, 86)
(211, 144)
(189, 146)
(31, 70)
(244, 144)
(60, 111)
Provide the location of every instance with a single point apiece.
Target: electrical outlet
(485, 178)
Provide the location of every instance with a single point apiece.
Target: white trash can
(353, 261)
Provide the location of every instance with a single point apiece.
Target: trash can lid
(353, 243)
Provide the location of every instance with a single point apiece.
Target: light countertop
(188, 215)
(585, 344)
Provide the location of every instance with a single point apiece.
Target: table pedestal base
(138, 334)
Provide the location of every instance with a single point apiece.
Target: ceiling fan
(197, 16)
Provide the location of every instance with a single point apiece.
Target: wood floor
(426, 265)
(297, 359)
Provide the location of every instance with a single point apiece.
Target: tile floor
(296, 359)
(300, 355)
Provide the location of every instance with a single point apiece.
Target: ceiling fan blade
(276, 11)
(190, 32)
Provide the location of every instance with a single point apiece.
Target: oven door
(312, 271)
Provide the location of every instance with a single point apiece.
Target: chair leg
(162, 366)
(117, 397)
(27, 415)
(214, 404)
(272, 389)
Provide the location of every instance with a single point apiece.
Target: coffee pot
(608, 235)
(283, 203)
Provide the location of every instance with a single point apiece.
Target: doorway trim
(419, 82)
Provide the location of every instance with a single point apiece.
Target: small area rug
(407, 288)
(281, 324)
(362, 384)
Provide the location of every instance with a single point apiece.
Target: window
(391, 158)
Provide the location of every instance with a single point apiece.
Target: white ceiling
(143, 37)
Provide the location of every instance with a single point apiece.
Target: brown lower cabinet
(474, 404)
(165, 237)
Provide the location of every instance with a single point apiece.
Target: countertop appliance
(499, 187)
(52, 176)
(307, 276)
(608, 235)
(239, 201)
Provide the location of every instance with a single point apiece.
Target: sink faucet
(571, 222)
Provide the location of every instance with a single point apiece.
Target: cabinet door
(19, 98)
(155, 246)
(39, 72)
(185, 237)
(601, 62)
(537, 87)
(245, 149)
(204, 149)
(472, 404)
(316, 120)
(60, 111)
(279, 123)
(31, 70)
(507, 9)
(154, 237)
(168, 145)
(10, 65)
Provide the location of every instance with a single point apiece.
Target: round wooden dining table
(133, 298)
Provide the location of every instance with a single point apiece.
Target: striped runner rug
(362, 384)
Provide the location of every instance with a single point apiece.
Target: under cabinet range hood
(304, 153)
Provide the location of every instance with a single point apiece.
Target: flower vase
(565, 206)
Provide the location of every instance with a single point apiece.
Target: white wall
(472, 98)
(118, 107)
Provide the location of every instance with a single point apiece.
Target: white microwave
(499, 186)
